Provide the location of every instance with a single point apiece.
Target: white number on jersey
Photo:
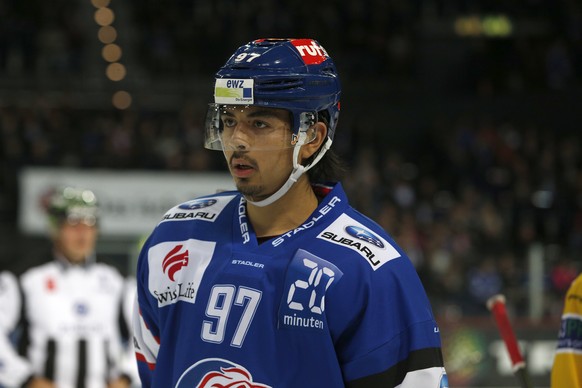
(313, 281)
(222, 299)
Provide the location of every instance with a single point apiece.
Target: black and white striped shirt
(74, 324)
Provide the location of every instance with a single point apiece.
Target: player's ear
(317, 133)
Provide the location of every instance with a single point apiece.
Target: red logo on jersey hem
(229, 378)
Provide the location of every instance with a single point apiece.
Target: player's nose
(241, 138)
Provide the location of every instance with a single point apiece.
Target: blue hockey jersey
(332, 303)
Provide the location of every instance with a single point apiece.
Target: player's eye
(228, 122)
(260, 124)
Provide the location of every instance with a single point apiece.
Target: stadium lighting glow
(115, 71)
(107, 34)
(100, 3)
(104, 16)
(468, 26)
(497, 26)
(490, 26)
(111, 52)
(121, 99)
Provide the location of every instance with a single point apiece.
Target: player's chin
(251, 192)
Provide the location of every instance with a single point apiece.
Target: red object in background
(562, 276)
(496, 304)
(50, 284)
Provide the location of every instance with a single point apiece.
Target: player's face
(76, 241)
(258, 171)
(254, 128)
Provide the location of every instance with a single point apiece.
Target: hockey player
(280, 283)
(567, 367)
(71, 309)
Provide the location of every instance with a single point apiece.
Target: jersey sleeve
(145, 326)
(567, 367)
(10, 301)
(127, 364)
(392, 339)
(15, 369)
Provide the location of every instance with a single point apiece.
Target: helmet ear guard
(314, 145)
(307, 120)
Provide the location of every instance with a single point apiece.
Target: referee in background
(71, 312)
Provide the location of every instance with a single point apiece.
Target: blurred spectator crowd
(466, 202)
(470, 204)
(409, 44)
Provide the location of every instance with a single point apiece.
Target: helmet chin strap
(298, 170)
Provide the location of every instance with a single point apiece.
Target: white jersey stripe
(425, 378)
(147, 346)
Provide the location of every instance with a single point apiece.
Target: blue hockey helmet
(292, 74)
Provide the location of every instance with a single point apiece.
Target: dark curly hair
(330, 168)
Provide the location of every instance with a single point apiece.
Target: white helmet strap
(298, 169)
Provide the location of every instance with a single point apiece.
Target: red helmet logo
(174, 261)
(311, 52)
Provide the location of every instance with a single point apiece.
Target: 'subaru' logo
(174, 261)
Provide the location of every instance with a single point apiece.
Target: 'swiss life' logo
(174, 261)
(215, 373)
(176, 269)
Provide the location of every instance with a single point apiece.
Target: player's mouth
(241, 167)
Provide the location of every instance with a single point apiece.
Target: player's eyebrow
(263, 113)
(268, 113)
